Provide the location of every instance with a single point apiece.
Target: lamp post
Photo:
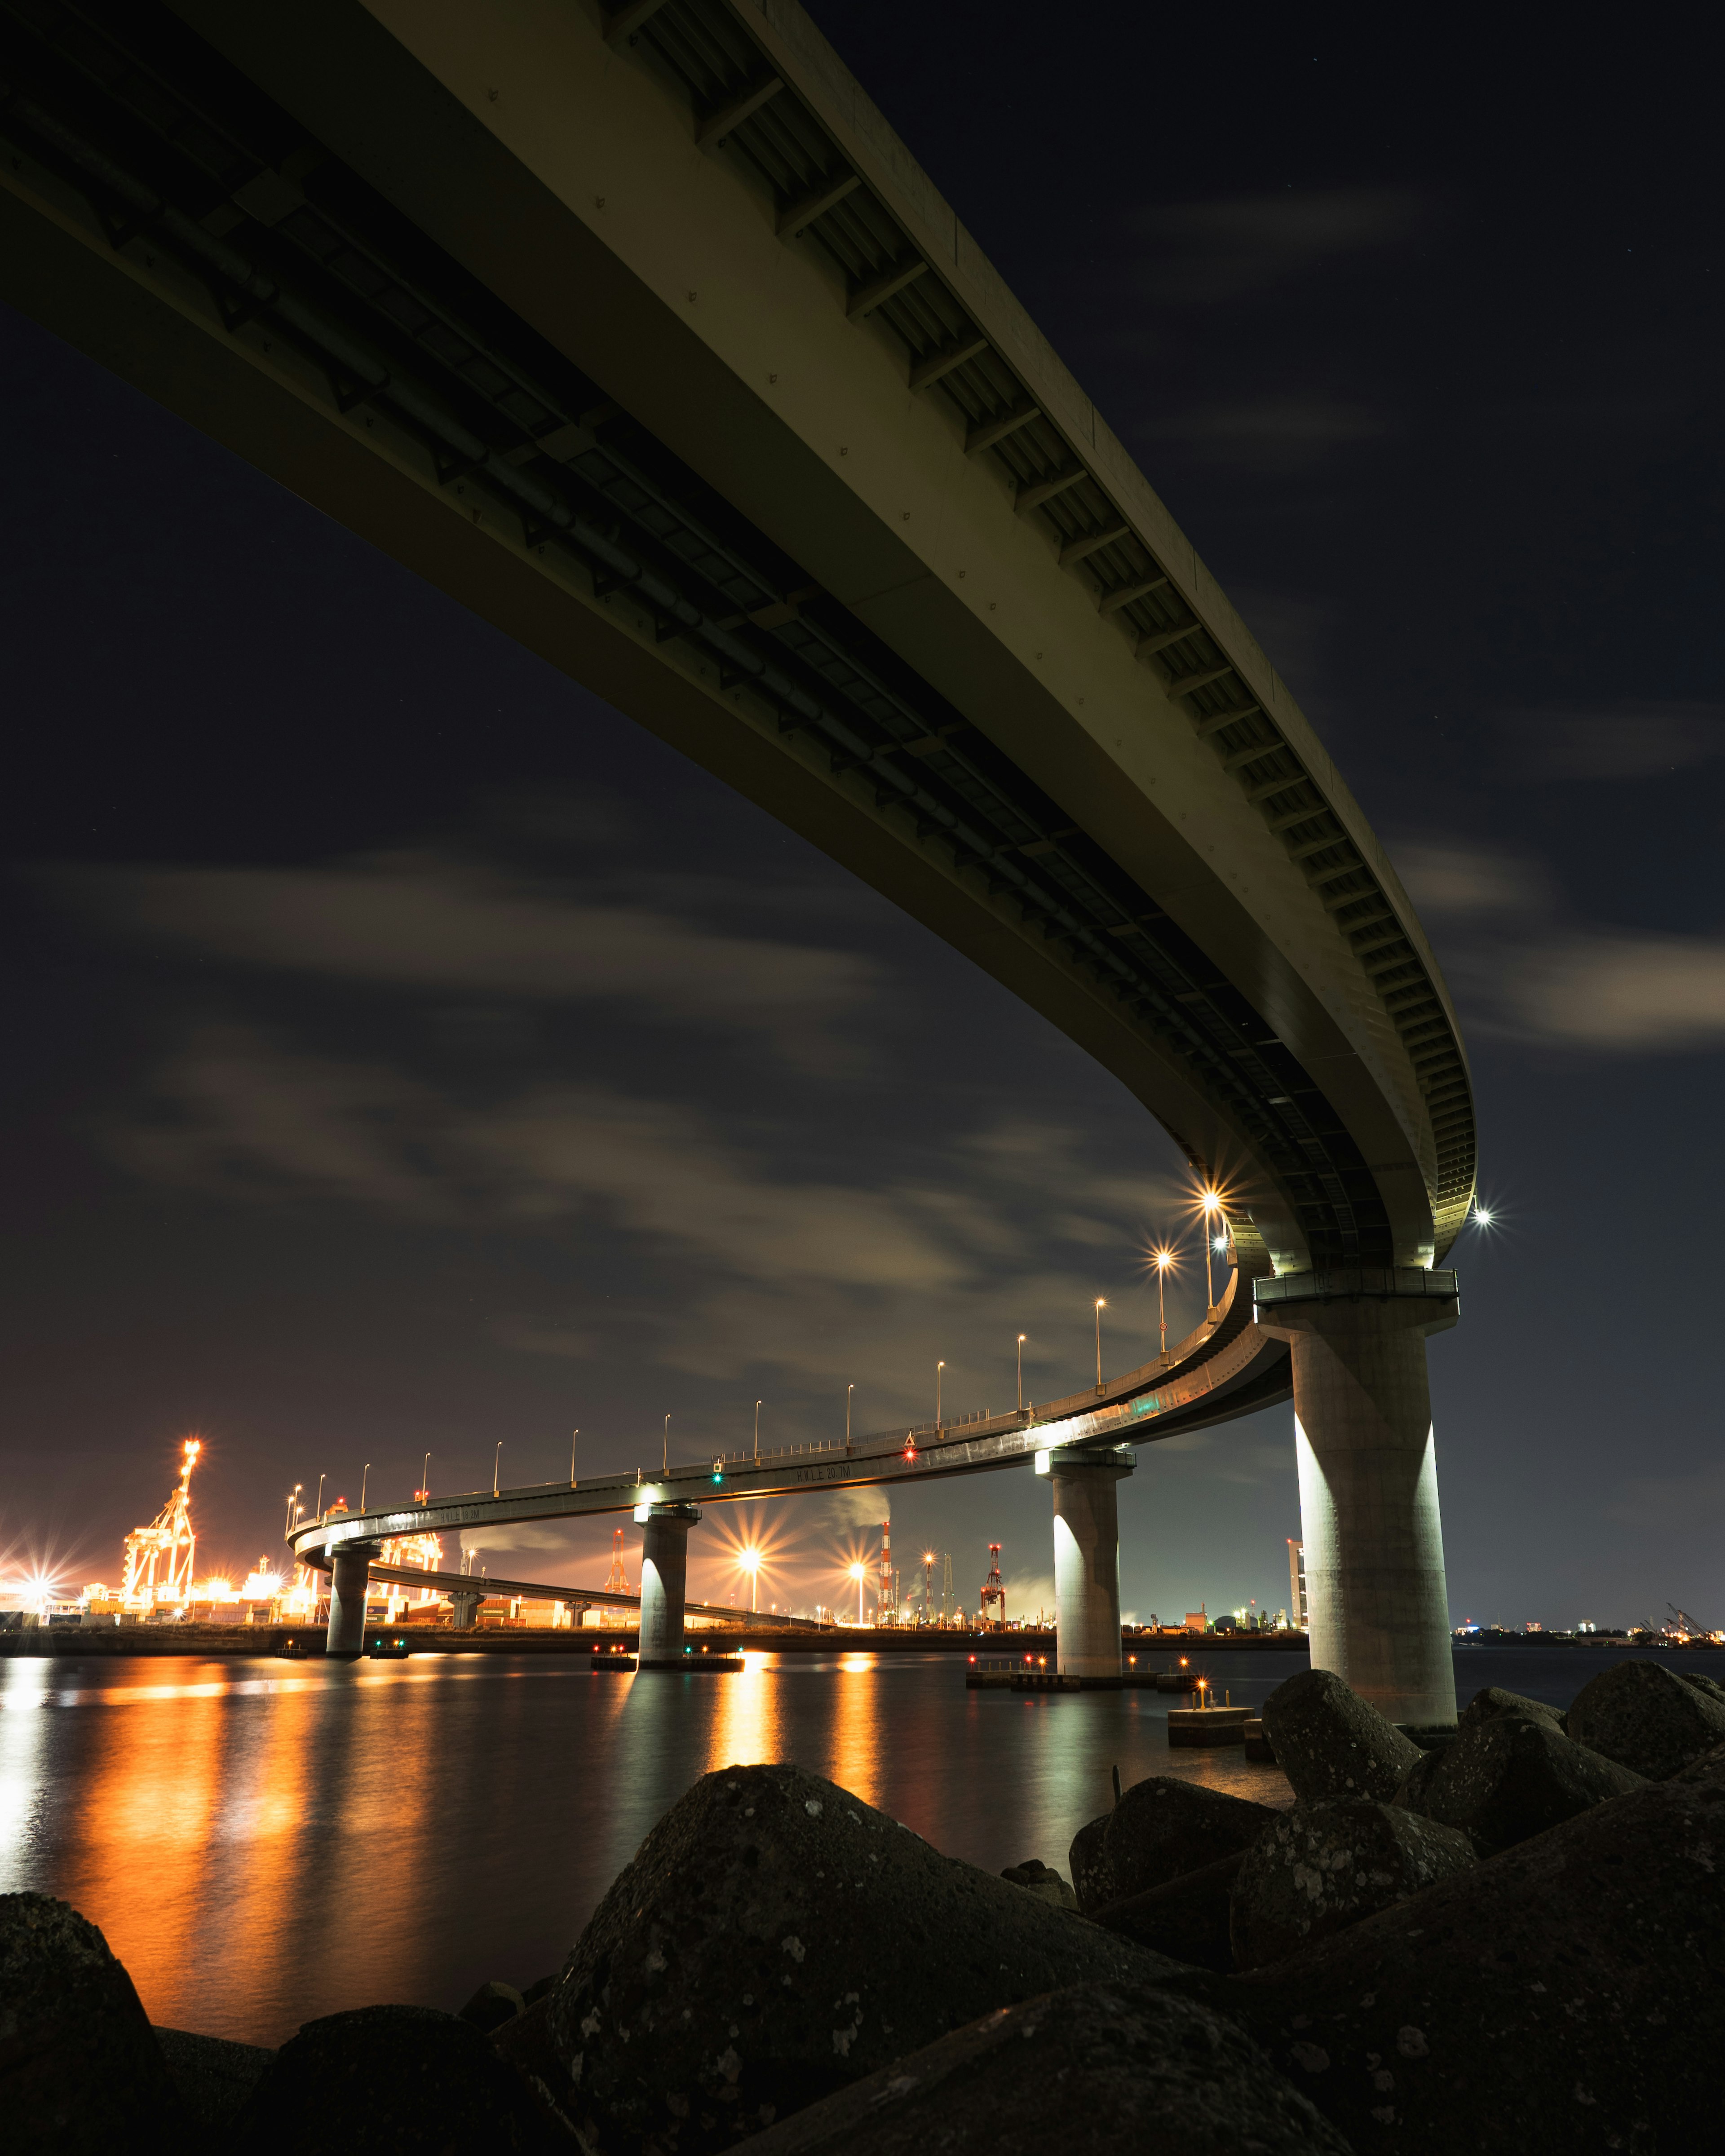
(1101, 1306)
(364, 1473)
(938, 1368)
(1211, 1202)
(1164, 1258)
(574, 1434)
(425, 1481)
(849, 1390)
(664, 1462)
(859, 1575)
(496, 1466)
(750, 1562)
(1021, 1373)
(321, 1480)
(757, 1430)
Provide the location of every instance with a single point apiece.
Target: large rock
(1324, 1867)
(1042, 1880)
(1561, 1998)
(81, 2073)
(774, 1938)
(1164, 1826)
(1092, 1881)
(1645, 1716)
(395, 2080)
(1493, 1703)
(1329, 1743)
(1188, 1917)
(1099, 2070)
(494, 2004)
(213, 2076)
(1504, 1779)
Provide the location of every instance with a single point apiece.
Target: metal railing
(1353, 1283)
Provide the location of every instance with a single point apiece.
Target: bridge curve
(639, 333)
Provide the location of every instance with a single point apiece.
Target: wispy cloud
(1636, 739)
(1273, 434)
(420, 923)
(1237, 247)
(1528, 970)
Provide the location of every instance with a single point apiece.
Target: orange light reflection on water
(746, 1711)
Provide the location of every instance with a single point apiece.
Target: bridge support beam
(1086, 1539)
(1377, 1611)
(665, 1573)
(464, 1609)
(349, 1570)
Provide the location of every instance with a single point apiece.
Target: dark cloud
(1630, 740)
(1245, 247)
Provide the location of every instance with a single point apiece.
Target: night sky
(405, 1052)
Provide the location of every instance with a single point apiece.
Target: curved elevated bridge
(639, 333)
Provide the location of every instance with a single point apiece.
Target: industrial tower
(994, 1589)
(158, 1557)
(886, 1592)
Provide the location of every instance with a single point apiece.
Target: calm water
(262, 1843)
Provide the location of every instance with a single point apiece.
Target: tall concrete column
(1378, 1613)
(1086, 1539)
(463, 1608)
(664, 1571)
(349, 1570)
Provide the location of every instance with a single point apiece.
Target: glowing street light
(849, 1390)
(1102, 1306)
(749, 1561)
(364, 1472)
(859, 1572)
(1021, 1373)
(938, 1368)
(1482, 1215)
(1162, 1259)
(322, 1479)
(1210, 1202)
(574, 1434)
(425, 1481)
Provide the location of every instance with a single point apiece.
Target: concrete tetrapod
(1368, 1502)
(774, 1938)
(1095, 2070)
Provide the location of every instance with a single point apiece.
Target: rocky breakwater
(1514, 1942)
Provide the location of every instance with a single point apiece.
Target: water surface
(262, 1842)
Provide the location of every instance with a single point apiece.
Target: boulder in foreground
(1098, 2070)
(1165, 1826)
(1042, 1880)
(1186, 1918)
(1558, 1999)
(1324, 1867)
(81, 2073)
(1645, 1717)
(775, 1938)
(1505, 1779)
(395, 2080)
(213, 2075)
(1329, 1743)
(1493, 1703)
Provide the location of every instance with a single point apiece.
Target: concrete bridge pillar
(664, 1571)
(463, 1608)
(1377, 1611)
(350, 1569)
(1086, 1539)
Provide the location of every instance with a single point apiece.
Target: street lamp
(574, 1434)
(364, 1472)
(757, 1429)
(750, 1562)
(938, 1368)
(664, 1464)
(1102, 1306)
(321, 1481)
(1163, 1259)
(1211, 1202)
(849, 1390)
(425, 1481)
(858, 1573)
(496, 1465)
(1021, 1373)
